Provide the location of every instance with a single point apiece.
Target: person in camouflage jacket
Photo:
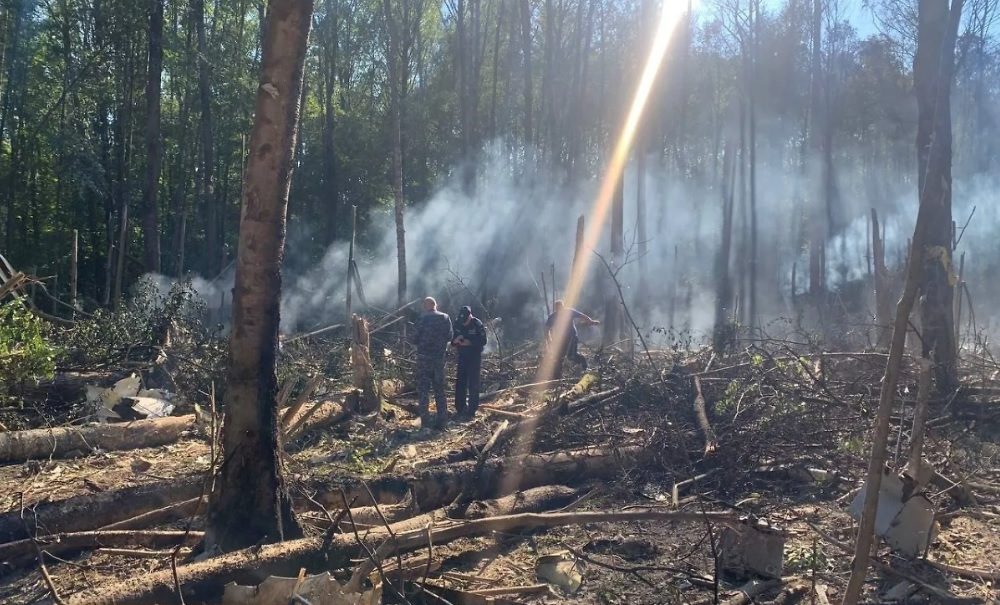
(431, 337)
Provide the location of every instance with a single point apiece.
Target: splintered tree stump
(363, 375)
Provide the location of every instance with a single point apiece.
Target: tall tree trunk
(250, 502)
(529, 101)
(150, 216)
(613, 317)
(752, 142)
(722, 333)
(396, 135)
(883, 308)
(933, 69)
(815, 215)
(330, 41)
(212, 247)
(641, 231)
(121, 188)
(496, 70)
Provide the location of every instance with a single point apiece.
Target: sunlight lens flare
(670, 18)
(673, 12)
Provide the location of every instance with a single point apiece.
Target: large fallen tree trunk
(18, 446)
(81, 513)
(205, 580)
(430, 489)
(22, 552)
(403, 518)
(436, 487)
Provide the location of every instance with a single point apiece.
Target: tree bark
(250, 502)
(23, 552)
(613, 318)
(18, 446)
(933, 69)
(206, 127)
(329, 54)
(90, 511)
(204, 580)
(938, 29)
(529, 101)
(815, 216)
(363, 375)
(154, 147)
(883, 308)
(396, 142)
(723, 333)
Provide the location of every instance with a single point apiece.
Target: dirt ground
(777, 418)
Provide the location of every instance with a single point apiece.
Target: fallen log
(702, 416)
(66, 387)
(436, 487)
(314, 417)
(18, 446)
(22, 552)
(205, 580)
(548, 497)
(86, 512)
(564, 404)
(536, 499)
(430, 488)
(187, 508)
(294, 409)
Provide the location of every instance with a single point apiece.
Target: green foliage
(730, 397)
(25, 352)
(806, 557)
(134, 328)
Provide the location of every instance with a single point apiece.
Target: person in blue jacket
(469, 339)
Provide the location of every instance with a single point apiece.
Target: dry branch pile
(634, 455)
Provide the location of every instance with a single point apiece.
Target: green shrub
(25, 352)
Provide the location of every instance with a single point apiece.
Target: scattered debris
(752, 548)
(906, 523)
(560, 569)
(320, 589)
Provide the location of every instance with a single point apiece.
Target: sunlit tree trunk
(250, 502)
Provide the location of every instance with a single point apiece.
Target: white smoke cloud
(490, 247)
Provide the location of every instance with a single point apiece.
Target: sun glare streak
(672, 12)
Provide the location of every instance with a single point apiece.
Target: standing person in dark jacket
(431, 338)
(469, 339)
(566, 344)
